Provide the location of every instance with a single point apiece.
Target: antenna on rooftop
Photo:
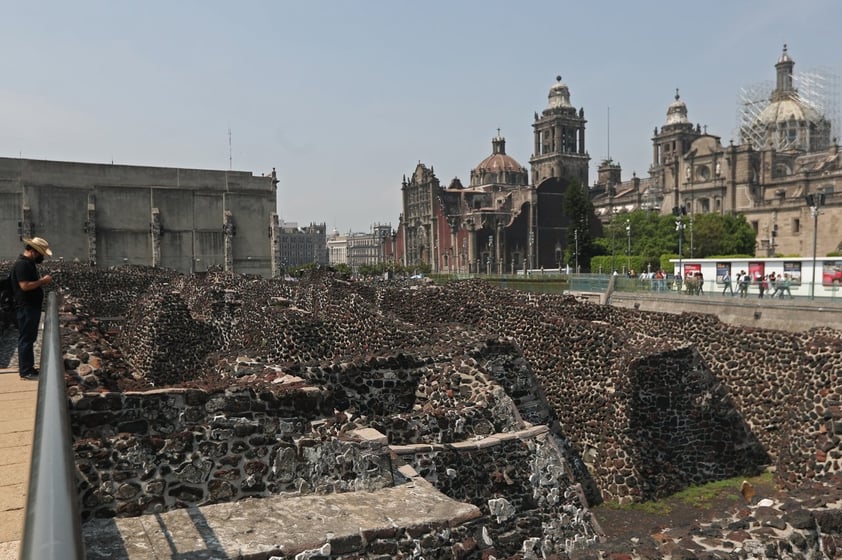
(230, 157)
(609, 134)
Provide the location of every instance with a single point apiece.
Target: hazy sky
(343, 98)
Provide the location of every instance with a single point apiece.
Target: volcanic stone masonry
(194, 390)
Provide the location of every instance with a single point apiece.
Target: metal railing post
(52, 528)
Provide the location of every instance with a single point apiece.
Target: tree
(654, 234)
(580, 216)
(722, 235)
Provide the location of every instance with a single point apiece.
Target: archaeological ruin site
(521, 411)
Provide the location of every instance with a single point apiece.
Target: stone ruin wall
(736, 393)
(781, 387)
(526, 490)
(147, 453)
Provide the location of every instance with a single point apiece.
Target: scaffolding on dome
(751, 101)
(818, 88)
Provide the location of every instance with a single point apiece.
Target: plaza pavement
(17, 419)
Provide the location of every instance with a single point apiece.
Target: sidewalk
(17, 418)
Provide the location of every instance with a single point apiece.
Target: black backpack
(7, 296)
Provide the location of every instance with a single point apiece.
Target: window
(796, 225)
(703, 172)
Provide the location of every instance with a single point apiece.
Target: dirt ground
(621, 524)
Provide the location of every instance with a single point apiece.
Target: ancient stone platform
(261, 528)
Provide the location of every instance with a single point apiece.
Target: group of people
(657, 280)
(777, 285)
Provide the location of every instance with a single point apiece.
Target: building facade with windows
(784, 155)
(501, 221)
(302, 245)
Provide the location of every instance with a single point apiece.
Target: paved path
(17, 418)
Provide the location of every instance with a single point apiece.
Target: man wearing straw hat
(27, 284)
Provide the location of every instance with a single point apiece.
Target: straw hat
(39, 244)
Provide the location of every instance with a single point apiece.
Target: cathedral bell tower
(560, 139)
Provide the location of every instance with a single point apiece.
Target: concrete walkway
(17, 419)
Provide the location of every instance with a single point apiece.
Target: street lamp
(490, 249)
(628, 252)
(613, 252)
(691, 235)
(576, 239)
(678, 212)
(814, 201)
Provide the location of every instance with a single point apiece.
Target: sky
(344, 98)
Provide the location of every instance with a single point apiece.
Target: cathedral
(507, 218)
(782, 175)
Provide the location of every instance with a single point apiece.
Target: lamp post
(613, 252)
(529, 257)
(678, 212)
(576, 239)
(490, 249)
(691, 235)
(628, 251)
(814, 201)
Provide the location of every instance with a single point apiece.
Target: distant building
(337, 248)
(372, 248)
(110, 215)
(302, 245)
(500, 222)
(785, 154)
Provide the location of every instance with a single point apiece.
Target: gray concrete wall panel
(176, 207)
(177, 250)
(209, 250)
(123, 209)
(116, 248)
(252, 237)
(58, 215)
(9, 218)
(208, 211)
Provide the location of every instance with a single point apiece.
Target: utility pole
(678, 212)
(628, 252)
(814, 201)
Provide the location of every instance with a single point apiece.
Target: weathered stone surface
(640, 404)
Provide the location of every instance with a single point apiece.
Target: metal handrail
(52, 528)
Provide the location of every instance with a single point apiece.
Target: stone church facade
(501, 222)
(783, 157)
(111, 215)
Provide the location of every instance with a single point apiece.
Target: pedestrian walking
(744, 281)
(726, 279)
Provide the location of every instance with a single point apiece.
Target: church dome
(499, 168)
(499, 160)
(677, 111)
(788, 121)
(786, 110)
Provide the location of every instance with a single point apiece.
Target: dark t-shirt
(26, 271)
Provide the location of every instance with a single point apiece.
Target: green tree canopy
(580, 213)
(652, 234)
